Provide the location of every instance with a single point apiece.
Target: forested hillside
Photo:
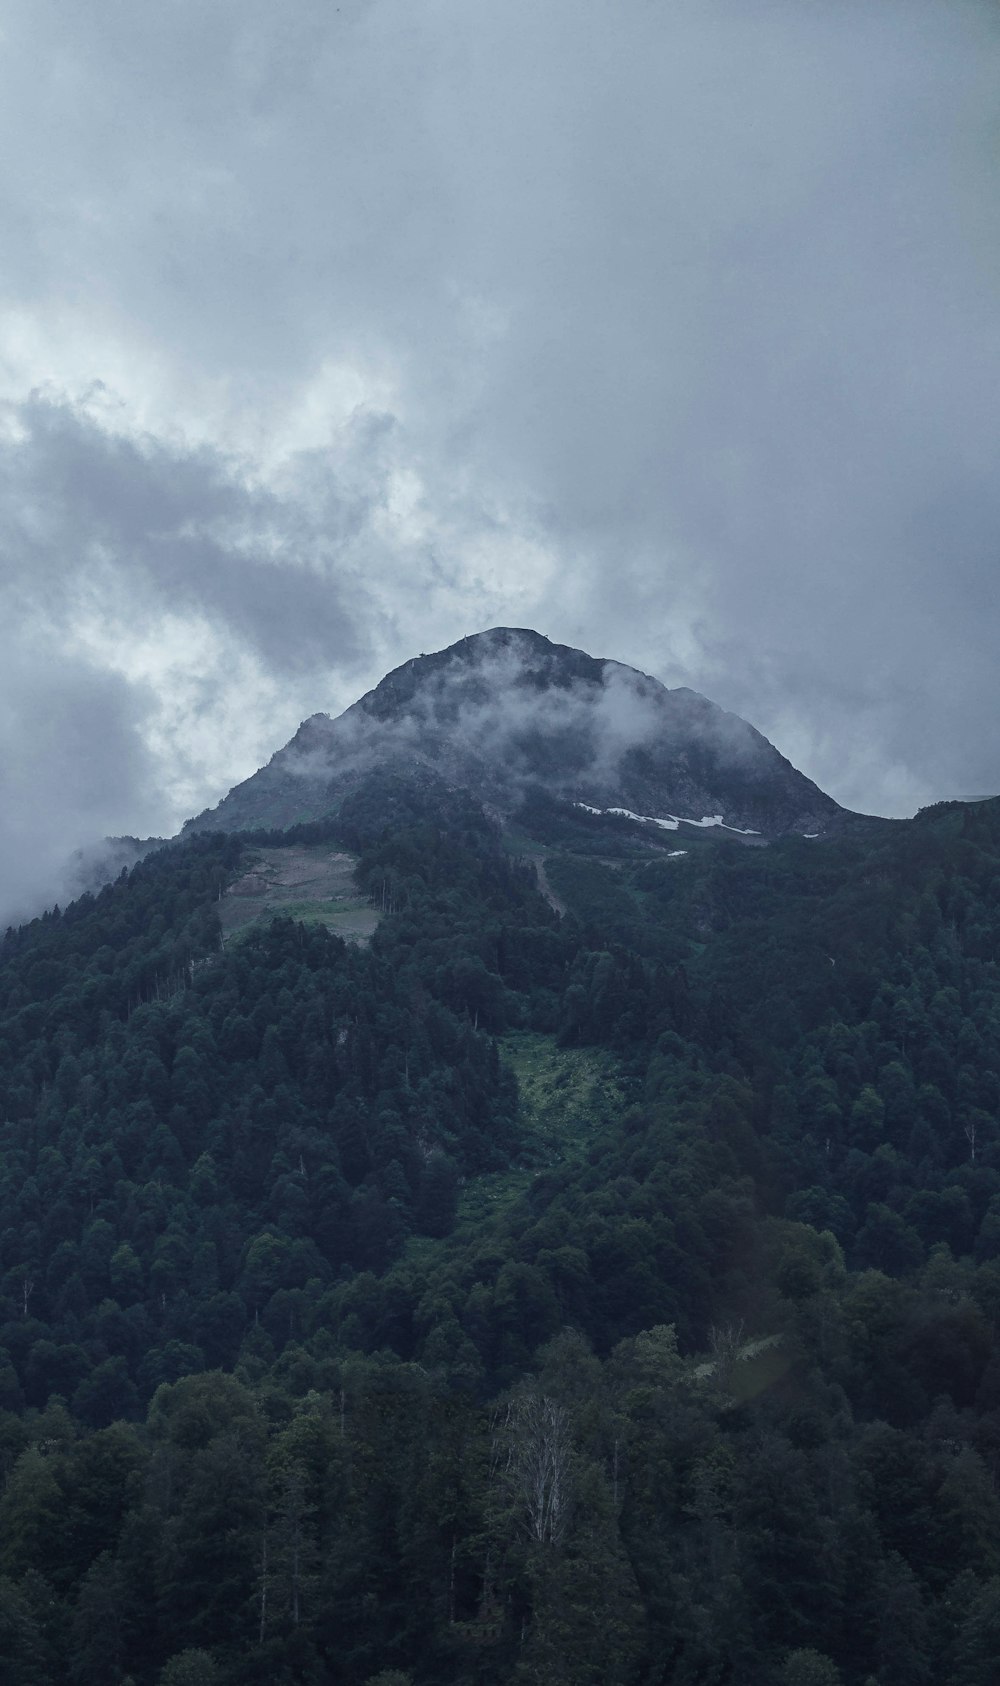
(324, 1358)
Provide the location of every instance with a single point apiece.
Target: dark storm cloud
(154, 529)
(672, 329)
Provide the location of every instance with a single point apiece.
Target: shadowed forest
(597, 1298)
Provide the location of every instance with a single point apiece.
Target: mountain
(593, 1297)
(506, 711)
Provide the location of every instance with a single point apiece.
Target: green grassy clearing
(312, 883)
(568, 1097)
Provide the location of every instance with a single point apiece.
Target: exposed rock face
(506, 709)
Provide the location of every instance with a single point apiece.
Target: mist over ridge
(505, 710)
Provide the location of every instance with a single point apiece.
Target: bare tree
(532, 1456)
(724, 1343)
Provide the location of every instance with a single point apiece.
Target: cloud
(161, 527)
(75, 768)
(508, 711)
(156, 606)
(333, 334)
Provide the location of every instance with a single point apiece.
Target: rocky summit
(507, 711)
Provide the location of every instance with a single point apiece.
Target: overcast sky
(330, 334)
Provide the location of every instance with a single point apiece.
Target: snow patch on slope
(672, 821)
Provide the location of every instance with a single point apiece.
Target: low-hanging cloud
(508, 712)
(75, 770)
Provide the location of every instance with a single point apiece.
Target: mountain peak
(529, 659)
(505, 709)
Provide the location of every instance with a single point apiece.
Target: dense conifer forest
(323, 1361)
